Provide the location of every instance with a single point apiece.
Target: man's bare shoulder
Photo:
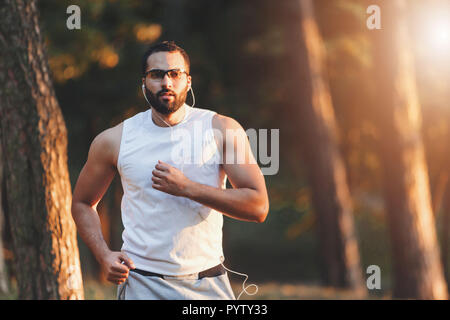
(106, 144)
(228, 129)
(221, 122)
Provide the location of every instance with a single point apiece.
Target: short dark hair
(165, 46)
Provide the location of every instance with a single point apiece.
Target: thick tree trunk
(3, 274)
(34, 143)
(417, 267)
(318, 130)
(441, 209)
(446, 234)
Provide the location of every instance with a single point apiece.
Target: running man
(173, 202)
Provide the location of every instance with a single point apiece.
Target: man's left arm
(247, 200)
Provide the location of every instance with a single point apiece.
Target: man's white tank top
(163, 233)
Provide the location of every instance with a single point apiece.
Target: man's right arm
(94, 180)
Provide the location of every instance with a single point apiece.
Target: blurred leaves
(147, 33)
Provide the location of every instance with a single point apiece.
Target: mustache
(165, 92)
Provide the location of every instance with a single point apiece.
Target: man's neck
(161, 120)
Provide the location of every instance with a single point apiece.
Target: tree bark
(327, 174)
(446, 233)
(3, 274)
(34, 143)
(418, 271)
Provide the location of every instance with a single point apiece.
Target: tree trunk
(3, 274)
(417, 268)
(446, 233)
(441, 209)
(327, 174)
(34, 143)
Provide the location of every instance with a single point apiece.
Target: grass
(298, 291)
(95, 290)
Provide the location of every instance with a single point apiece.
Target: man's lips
(166, 94)
(167, 97)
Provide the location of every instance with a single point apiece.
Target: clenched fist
(167, 178)
(116, 266)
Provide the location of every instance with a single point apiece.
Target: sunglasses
(158, 74)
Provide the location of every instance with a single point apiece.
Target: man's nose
(166, 81)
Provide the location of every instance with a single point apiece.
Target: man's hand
(169, 179)
(116, 266)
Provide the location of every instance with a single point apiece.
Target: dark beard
(169, 106)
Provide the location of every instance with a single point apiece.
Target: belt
(211, 272)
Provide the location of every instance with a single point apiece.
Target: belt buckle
(192, 276)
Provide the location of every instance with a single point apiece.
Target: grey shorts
(140, 287)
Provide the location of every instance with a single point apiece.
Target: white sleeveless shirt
(163, 233)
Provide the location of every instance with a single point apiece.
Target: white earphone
(145, 96)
